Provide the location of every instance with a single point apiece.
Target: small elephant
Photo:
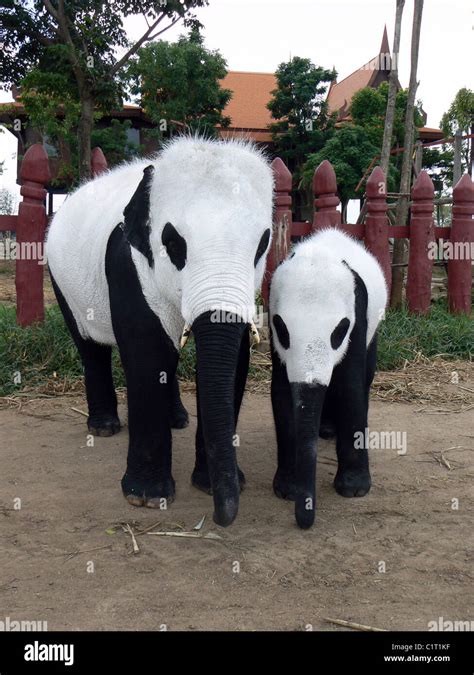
(141, 256)
(326, 302)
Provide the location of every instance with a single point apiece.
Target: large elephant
(140, 257)
(326, 302)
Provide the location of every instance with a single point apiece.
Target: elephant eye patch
(175, 245)
(339, 333)
(281, 331)
(262, 247)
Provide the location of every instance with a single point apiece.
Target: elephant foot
(352, 483)
(327, 429)
(103, 425)
(179, 417)
(200, 479)
(154, 494)
(284, 485)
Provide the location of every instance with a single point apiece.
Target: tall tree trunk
(405, 179)
(84, 132)
(392, 91)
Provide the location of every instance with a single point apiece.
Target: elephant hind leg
(97, 362)
(179, 414)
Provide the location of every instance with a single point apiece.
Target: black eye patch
(339, 333)
(175, 245)
(262, 247)
(281, 331)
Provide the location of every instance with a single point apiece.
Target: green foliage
(368, 108)
(402, 335)
(299, 104)
(114, 142)
(354, 145)
(179, 82)
(460, 115)
(66, 54)
(350, 151)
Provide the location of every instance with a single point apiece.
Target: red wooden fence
(376, 231)
(30, 226)
(31, 222)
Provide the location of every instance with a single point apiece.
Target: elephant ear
(137, 216)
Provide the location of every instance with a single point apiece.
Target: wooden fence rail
(376, 232)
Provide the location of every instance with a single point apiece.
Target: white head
(312, 310)
(211, 216)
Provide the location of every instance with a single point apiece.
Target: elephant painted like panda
(141, 256)
(326, 302)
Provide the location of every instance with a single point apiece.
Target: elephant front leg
(148, 480)
(353, 474)
(284, 482)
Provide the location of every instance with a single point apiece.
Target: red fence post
(98, 162)
(376, 222)
(281, 237)
(420, 261)
(461, 238)
(35, 174)
(326, 200)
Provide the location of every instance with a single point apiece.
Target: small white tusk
(254, 332)
(185, 335)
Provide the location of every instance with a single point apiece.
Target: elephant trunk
(308, 402)
(217, 354)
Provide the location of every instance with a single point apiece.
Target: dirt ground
(285, 578)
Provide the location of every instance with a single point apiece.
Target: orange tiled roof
(248, 105)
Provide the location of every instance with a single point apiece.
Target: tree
(80, 39)
(7, 202)
(303, 122)
(368, 110)
(405, 179)
(178, 85)
(350, 151)
(392, 91)
(460, 115)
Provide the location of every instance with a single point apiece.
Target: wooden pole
(326, 200)
(461, 240)
(420, 262)
(98, 162)
(31, 225)
(281, 237)
(405, 177)
(457, 166)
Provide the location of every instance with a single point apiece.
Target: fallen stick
(81, 412)
(356, 626)
(190, 535)
(134, 541)
(85, 550)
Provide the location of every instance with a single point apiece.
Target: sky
(258, 35)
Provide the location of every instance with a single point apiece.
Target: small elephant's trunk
(308, 402)
(217, 353)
